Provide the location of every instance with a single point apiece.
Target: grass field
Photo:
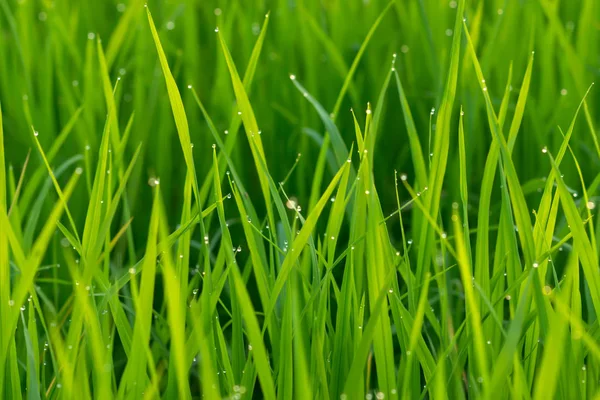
(308, 199)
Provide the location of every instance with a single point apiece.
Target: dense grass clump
(299, 199)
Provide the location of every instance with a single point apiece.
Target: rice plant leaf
(177, 108)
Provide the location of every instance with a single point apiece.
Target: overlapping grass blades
(405, 253)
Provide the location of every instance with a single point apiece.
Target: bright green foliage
(299, 199)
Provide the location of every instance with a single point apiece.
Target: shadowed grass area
(299, 199)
